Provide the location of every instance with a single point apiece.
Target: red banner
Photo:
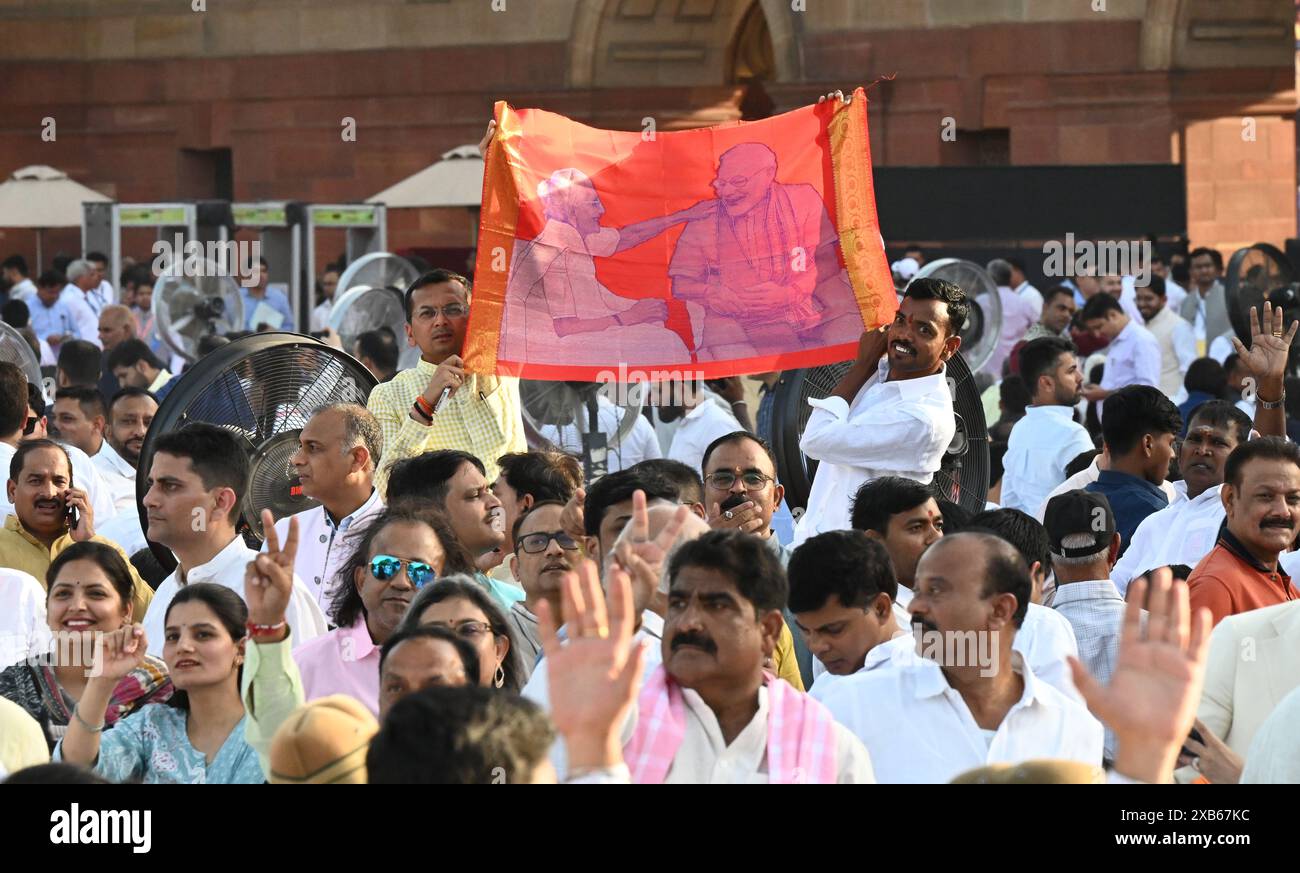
(645, 256)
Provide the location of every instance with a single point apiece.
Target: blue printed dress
(151, 746)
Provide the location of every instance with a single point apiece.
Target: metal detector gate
(366, 227)
(204, 221)
(280, 230)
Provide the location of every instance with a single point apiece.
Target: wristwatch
(1272, 404)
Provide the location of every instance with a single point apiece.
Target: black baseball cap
(1079, 512)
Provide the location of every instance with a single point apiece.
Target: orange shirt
(1229, 580)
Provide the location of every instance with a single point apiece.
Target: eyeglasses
(451, 310)
(723, 480)
(468, 629)
(534, 543)
(30, 426)
(385, 567)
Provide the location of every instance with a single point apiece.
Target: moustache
(1277, 521)
(700, 641)
(926, 625)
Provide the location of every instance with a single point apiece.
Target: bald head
(971, 581)
(116, 325)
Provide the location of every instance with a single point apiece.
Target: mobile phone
(1193, 735)
(733, 501)
(73, 518)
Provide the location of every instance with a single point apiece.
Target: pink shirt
(343, 661)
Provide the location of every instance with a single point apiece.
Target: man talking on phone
(50, 514)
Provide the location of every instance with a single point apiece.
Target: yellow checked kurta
(22, 551)
(482, 417)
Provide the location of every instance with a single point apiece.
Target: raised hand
(268, 578)
(120, 652)
(571, 518)
(1152, 697)
(837, 95)
(487, 139)
(872, 346)
(1267, 356)
(594, 676)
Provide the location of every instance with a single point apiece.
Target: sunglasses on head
(385, 567)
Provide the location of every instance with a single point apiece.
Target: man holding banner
(891, 413)
(690, 254)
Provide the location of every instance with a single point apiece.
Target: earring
(500, 679)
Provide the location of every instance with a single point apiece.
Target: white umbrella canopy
(456, 180)
(40, 196)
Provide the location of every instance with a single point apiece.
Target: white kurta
(1274, 756)
(918, 729)
(1181, 533)
(118, 476)
(704, 758)
(892, 428)
(1042, 444)
(700, 427)
(23, 630)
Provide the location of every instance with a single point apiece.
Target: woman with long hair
(198, 737)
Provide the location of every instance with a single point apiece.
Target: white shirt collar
(109, 456)
(1209, 495)
(910, 388)
(652, 624)
(360, 512)
(930, 682)
(1064, 412)
(235, 555)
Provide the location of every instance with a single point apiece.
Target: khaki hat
(1044, 772)
(323, 741)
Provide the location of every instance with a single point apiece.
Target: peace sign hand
(635, 538)
(268, 578)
